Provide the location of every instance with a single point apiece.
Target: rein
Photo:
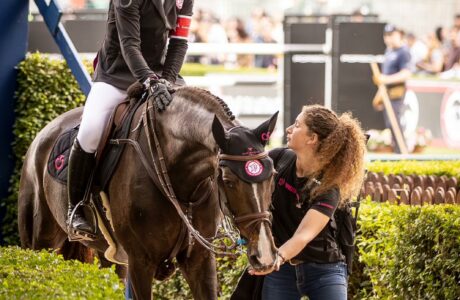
(162, 180)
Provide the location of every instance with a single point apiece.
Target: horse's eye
(229, 183)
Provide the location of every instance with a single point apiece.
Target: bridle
(247, 220)
(160, 177)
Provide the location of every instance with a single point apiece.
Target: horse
(206, 152)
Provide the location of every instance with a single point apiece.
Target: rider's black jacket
(136, 40)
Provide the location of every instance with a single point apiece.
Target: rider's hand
(160, 90)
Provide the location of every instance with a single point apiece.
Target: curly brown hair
(341, 150)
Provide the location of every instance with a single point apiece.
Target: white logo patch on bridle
(179, 3)
(253, 168)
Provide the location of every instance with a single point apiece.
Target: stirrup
(79, 235)
(75, 235)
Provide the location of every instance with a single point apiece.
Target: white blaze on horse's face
(264, 244)
(249, 201)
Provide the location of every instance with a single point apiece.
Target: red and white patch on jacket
(182, 28)
(179, 3)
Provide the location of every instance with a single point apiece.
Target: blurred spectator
(263, 34)
(237, 33)
(453, 55)
(457, 22)
(216, 35)
(254, 21)
(434, 60)
(418, 50)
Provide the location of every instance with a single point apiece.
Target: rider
(134, 49)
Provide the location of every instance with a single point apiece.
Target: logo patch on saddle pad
(59, 156)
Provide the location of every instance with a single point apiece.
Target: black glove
(161, 91)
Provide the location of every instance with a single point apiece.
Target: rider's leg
(101, 101)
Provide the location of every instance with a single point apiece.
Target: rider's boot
(81, 165)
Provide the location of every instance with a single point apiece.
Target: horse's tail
(76, 250)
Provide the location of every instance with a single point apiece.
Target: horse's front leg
(140, 271)
(200, 272)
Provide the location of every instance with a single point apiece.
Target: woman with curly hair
(323, 169)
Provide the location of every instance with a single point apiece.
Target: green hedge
(407, 167)
(26, 274)
(409, 252)
(46, 89)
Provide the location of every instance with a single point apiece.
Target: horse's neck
(188, 124)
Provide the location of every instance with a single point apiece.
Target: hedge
(408, 252)
(46, 89)
(407, 167)
(26, 274)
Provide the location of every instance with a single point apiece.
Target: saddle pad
(59, 157)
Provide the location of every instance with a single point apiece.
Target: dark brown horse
(192, 130)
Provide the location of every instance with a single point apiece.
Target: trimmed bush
(46, 89)
(409, 252)
(26, 274)
(407, 167)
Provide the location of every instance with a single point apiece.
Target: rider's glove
(161, 90)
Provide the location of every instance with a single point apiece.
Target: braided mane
(208, 100)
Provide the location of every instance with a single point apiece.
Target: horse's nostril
(254, 258)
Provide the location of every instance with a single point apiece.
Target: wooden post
(383, 93)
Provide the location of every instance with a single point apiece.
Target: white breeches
(101, 101)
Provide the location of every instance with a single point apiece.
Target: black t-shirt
(291, 201)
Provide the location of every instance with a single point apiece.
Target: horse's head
(246, 185)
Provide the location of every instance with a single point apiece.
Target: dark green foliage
(26, 274)
(409, 252)
(46, 89)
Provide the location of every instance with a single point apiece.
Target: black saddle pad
(59, 157)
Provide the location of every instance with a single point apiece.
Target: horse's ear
(218, 132)
(265, 129)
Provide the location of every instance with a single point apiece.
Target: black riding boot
(79, 170)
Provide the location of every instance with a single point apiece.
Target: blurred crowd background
(433, 39)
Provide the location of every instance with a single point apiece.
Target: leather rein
(160, 177)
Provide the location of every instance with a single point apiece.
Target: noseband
(252, 218)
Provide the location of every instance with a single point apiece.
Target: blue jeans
(317, 281)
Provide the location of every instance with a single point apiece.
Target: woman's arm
(312, 224)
